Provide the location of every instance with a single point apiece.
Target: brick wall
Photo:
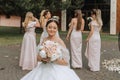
(118, 15)
(12, 21)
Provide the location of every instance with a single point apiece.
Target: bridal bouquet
(49, 49)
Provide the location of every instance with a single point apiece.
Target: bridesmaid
(44, 16)
(94, 41)
(28, 57)
(76, 28)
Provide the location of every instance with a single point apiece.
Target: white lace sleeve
(66, 55)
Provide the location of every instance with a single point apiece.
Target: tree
(20, 7)
(75, 4)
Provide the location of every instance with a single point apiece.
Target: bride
(44, 17)
(52, 68)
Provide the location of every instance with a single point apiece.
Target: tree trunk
(63, 20)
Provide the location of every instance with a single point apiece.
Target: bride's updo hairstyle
(53, 19)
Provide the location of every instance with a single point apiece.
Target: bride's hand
(39, 58)
(61, 62)
(45, 60)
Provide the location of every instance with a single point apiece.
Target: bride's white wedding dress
(53, 71)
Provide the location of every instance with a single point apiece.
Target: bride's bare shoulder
(61, 42)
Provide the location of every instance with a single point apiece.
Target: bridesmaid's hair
(41, 15)
(97, 13)
(45, 12)
(93, 12)
(29, 17)
(78, 15)
(53, 19)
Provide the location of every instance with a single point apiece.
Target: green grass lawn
(11, 36)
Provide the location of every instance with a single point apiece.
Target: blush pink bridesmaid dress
(28, 57)
(76, 48)
(93, 48)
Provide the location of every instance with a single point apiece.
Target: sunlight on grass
(11, 36)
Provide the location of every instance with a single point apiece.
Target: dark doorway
(104, 5)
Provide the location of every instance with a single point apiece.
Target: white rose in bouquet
(54, 57)
(49, 49)
(39, 48)
(57, 55)
(43, 54)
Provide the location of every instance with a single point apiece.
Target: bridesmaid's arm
(43, 22)
(23, 24)
(82, 25)
(91, 33)
(61, 62)
(70, 30)
(37, 23)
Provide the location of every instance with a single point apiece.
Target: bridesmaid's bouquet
(89, 19)
(49, 49)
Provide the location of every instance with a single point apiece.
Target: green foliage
(20, 7)
(11, 36)
(77, 4)
(65, 4)
(7, 7)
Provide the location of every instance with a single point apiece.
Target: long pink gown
(28, 57)
(76, 46)
(93, 48)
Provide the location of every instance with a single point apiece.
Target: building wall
(118, 15)
(13, 21)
